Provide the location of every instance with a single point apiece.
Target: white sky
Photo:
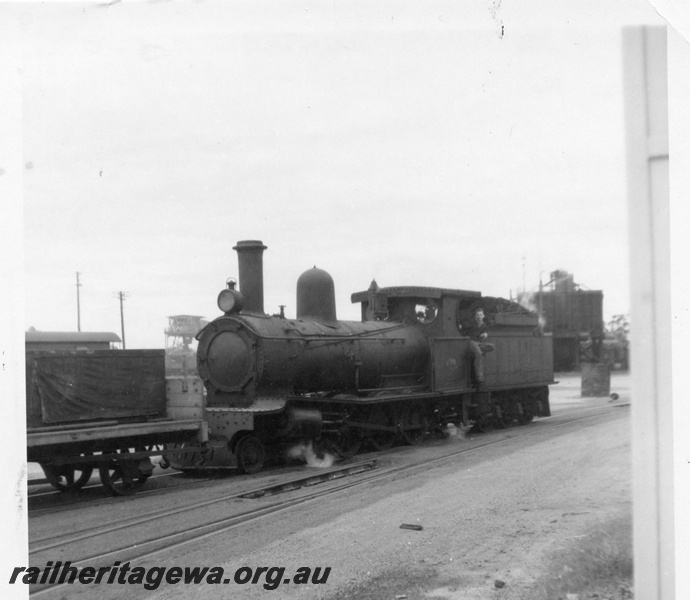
(406, 141)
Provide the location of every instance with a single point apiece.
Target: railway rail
(51, 501)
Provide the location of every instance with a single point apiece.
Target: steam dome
(316, 296)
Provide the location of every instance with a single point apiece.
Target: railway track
(54, 501)
(51, 501)
(127, 539)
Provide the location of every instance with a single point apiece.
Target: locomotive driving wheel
(415, 423)
(121, 475)
(382, 439)
(484, 423)
(250, 454)
(67, 478)
(346, 443)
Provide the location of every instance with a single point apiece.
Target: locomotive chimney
(251, 264)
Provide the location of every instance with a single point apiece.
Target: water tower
(180, 350)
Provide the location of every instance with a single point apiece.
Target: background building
(575, 318)
(70, 340)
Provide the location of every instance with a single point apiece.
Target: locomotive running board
(365, 400)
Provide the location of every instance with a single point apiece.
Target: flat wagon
(107, 409)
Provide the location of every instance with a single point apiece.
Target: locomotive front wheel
(381, 439)
(67, 477)
(121, 476)
(250, 454)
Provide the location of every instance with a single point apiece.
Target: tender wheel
(506, 411)
(381, 439)
(525, 416)
(541, 402)
(415, 423)
(121, 475)
(67, 477)
(250, 454)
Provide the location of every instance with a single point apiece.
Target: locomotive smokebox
(251, 263)
(316, 297)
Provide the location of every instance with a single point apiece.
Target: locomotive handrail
(368, 335)
(317, 338)
(373, 336)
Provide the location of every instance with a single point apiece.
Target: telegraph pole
(122, 296)
(78, 309)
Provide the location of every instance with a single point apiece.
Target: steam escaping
(456, 433)
(305, 451)
(526, 300)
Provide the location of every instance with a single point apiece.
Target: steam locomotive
(402, 373)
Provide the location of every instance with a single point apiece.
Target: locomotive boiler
(402, 372)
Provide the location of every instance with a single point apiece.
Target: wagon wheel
(346, 443)
(250, 454)
(121, 476)
(381, 439)
(415, 423)
(67, 477)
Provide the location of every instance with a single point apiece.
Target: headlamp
(230, 300)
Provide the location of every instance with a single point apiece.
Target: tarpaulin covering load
(64, 387)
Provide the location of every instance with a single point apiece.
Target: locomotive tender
(403, 372)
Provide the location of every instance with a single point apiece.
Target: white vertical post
(646, 119)
(679, 149)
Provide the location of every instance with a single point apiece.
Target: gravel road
(495, 518)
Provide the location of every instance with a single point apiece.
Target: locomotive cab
(434, 311)
(522, 353)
